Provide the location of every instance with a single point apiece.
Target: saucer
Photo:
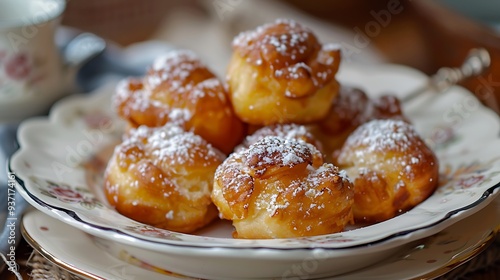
(426, 258)
(74, 251)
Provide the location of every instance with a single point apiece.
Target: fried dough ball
(163, 177)
(294, 131)
(280, 73)
(392, 168)
(180, 89)
(350, 109)
(280, 188)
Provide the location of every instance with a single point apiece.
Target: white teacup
(33, 72)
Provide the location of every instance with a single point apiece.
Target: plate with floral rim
(60, 162)
(423, 259)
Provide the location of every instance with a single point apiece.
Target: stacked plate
(59, 171)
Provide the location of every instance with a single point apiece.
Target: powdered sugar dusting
(179, 116)
(173, 58)
(181, 149)
(383, 135)
(309, 186)
(209, 88)
(291, 51)
(299, 70)
(288, 131)
(278, 45)
(386, 146)
(175, 68)
(170, 144)
(275, 150)
(131, 93)
(284, 36)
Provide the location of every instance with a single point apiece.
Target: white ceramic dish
(58, 169)
(74, 250)
(424, 259)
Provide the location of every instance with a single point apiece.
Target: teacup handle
(83, 48)
(75, 53)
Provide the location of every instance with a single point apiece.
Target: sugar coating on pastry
(293, 131)
(180, 89)
(280, 73)
(350, 109)
(163, 177)
(280, 188)
(392, 168)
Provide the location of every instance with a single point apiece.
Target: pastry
(280, 188)
(280, 73)
(180, 89)
(351, 108)
(392, 168)
(163, 177)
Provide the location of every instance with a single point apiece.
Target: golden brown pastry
(163, 177)
(279, 188)
(280, 73)
(392, 168)
(350, 109)
(294, 131)
(180, 89)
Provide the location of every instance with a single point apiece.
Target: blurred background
(422, 34)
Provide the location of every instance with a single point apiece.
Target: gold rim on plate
(461, 258)
(54, 260)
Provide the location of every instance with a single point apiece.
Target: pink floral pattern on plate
(467, 175)
(154, 232)
(68, 194)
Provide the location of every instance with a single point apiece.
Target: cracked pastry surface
(280, 73)
(279, 188)
(163, 177)
(392, 168)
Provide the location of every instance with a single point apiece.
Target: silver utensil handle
(476, 62)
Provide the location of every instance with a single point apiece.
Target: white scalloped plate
(424, 259)
(59, 167)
